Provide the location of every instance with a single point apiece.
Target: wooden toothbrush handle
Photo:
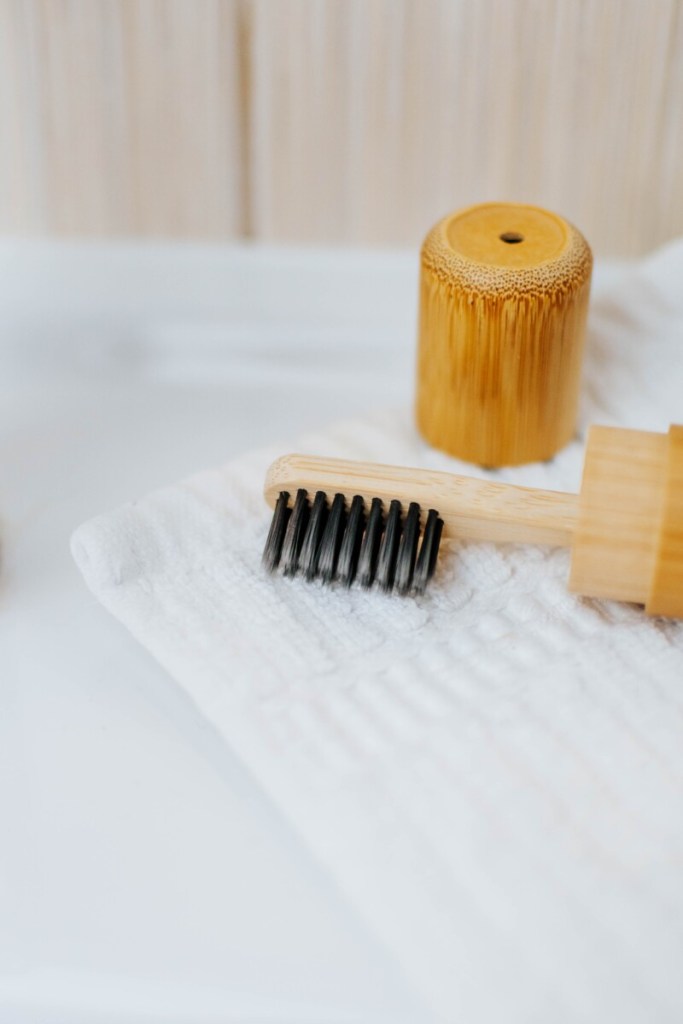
(471, 509)
(625, 530)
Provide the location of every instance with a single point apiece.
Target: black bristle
(332, 540)
(329, 543)
(386, 564)
(434, 553)
(294, 535)
(429, 549)
(310, 549)
(369, 549)
(276, 534)
(351, 542)
(407, 552)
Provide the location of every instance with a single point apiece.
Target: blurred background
(145, 146)
(339, 121)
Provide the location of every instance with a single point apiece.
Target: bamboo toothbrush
(625, 528)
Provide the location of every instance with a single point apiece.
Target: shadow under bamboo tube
(504, 294)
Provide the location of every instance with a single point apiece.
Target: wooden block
(666, 590)
(620, 508)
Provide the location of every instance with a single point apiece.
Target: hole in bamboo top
(511, 237)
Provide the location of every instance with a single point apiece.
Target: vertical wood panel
(339, 120)
(127, 114)
(372, 118)
(21, 137)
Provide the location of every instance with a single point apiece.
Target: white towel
(493, 773)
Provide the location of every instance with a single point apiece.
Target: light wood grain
(471, 509)
(360, 121)
(622, 494)
(120, 117)
(374, 118)
(628, 543)
(665, 596)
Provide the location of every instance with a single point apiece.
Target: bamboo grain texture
(471, 509)
(666, 589)
(504, 294)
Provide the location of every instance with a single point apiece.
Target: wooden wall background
(353, 121)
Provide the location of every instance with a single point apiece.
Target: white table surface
(143, 876)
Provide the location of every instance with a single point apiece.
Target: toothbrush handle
(471, 509)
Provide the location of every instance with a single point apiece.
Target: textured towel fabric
(493, 773)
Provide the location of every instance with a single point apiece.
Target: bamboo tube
(625, 528)
(503, 302)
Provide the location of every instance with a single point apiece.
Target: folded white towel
(494, 772)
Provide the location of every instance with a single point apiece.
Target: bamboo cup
(503, 301)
